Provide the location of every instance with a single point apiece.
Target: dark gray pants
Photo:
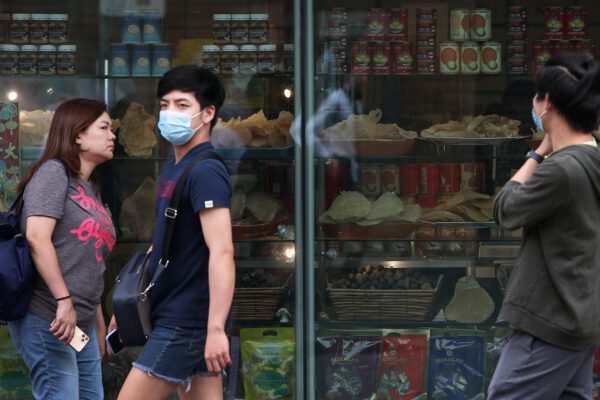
(531, 369)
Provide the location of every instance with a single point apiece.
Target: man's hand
(216, 351)
(545, 147)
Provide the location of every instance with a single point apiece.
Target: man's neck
(202, 136)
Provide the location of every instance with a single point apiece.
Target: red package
(402, 366)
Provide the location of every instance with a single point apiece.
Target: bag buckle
(171, 212)
(144, 294)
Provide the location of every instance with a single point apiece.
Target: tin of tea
(425, 52)
(449, 178)
(132, 27)
(481, 24)
(370, 180)
(403, 62)
(470, 58)
(390, 179)
(152, 24)
(576, 22)
(429, 181)
(449, 58)
(491, 57)
(425, 66)
(410, 179)
(460, 24)
(140, 59)
(119, 59)
(554, 20)
(361, 58)
(472, 176)
(381, 58)
(378, 21)
(425, 39)
(161, 58)
(398, 25)
(426, 26)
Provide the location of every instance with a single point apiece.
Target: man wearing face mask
(188, 348)
(553, 296)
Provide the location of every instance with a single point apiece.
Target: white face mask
(176, 127)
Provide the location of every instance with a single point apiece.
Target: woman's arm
(39, 235)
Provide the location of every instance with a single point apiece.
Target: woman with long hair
(70, 233)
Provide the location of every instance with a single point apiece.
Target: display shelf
(264, 262)
(400, 262)
(245, 153)
(322, 325)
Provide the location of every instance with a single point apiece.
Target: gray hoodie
(554, 289)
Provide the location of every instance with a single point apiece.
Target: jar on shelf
(287, 61)
(47, 59)
(230, 59)
(38, 28)
(66, 59)
(221, 28)
(28, 59)
(248, 59)
(19, 28)
(240, 28)
(211, 58)
(58, 28)
(267, 58)
(9, 59)
(259, 28)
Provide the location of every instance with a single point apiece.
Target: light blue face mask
(538, 120)
(176, 127)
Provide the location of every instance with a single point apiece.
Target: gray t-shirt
(83, 236)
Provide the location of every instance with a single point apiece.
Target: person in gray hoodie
(553, 295)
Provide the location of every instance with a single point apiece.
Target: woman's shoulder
(52, 165)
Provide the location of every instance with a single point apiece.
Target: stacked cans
(470, 50)
(516, 40)
(337, 45)
(565, 29)
(426, 35)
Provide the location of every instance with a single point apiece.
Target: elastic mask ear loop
(201, 124)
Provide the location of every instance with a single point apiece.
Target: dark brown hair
(70, 119)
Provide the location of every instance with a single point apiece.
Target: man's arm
(216, 226)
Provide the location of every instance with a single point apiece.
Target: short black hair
(572, 82)
(205, 85)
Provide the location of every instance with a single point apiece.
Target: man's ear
(209, 114)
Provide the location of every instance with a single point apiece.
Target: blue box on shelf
(161, 58)
(152, 24)
(119, 59)
(132, 27)
(140, 59)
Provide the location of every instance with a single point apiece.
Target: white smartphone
(113, 341)
(80, 339)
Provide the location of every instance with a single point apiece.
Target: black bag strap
(171, 213)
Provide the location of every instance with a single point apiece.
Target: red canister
(449, 178)
(554, 22)
(472, 176)
(410, 179)
(398, 27)
(335, 177)
(576, 22)
(429, 182)
(402, 62)
(378, 22)
(390, 179)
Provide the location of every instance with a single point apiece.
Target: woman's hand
(112, 324)
(216, 352)
(63, 326)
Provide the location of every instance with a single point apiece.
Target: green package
(268, 361)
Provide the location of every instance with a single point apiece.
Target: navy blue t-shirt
(181, 296)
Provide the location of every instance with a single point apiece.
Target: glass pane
(422, 112)
(122, 50)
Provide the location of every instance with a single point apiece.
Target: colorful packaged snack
(402, 366)
(455, 367)
(347, 366)
(268, 359)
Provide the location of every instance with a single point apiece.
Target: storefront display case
(368, 140)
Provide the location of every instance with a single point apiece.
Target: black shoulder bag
(131, 303)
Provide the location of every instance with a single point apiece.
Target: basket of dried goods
(378, 293)
(258, 294)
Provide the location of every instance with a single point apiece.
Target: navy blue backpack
(16, 267)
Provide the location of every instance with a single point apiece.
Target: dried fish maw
(388, 205)
(470, 304)
(411, 213)
(263, 206)
(482, 203)
(442, 216)
(461, 197)
(349, 206)
(233, 136)
(136, 134)
(135, 219)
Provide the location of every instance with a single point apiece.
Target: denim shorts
(174, 354)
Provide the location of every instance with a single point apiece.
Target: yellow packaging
(268, 363)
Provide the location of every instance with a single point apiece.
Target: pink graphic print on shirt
(100, 228)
